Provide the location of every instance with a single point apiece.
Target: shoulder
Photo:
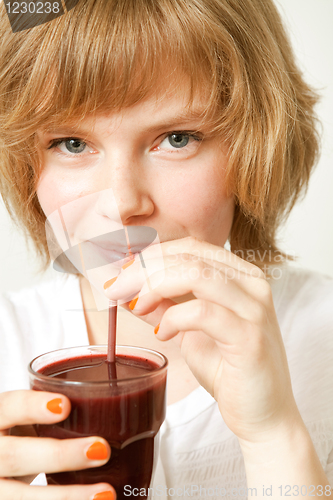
(32, 322)
(43, 298)
(33, 315)
(305, 296)
(304, 305)
(36, 304)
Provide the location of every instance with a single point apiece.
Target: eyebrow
(180, 119)
(184, 118)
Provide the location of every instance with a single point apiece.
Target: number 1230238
(288, 490)
(33, 7)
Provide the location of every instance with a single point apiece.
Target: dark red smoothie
(128, 419)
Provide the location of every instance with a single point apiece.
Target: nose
(127, 195)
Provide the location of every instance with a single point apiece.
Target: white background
(309, 230)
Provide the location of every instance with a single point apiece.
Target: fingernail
(55, 406)
(156, 329)
(128, 264)
(107, 284)
(133, 302)
(97, 451)
(104, 495)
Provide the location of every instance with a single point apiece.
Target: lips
(125, 242)
(113, 247)
(108, 254)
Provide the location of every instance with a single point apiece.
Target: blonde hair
(105, 54)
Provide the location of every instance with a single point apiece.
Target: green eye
(75, 145)
(178, 140)
(71, 145)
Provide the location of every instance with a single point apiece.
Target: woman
(196, 117)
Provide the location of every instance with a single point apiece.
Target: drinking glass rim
(65, 382)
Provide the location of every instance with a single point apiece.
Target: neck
(96, 321)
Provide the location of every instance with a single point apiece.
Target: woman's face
(155, 170)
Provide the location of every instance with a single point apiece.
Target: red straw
(111, 357)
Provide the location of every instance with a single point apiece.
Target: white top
(198, 452)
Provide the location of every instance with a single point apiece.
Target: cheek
(208, 209)
(199, 198)
(48, 195)
(54, 192)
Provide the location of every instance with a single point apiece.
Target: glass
(127, 412)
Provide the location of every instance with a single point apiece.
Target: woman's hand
(21, 457)
(228, 333)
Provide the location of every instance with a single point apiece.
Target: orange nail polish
(133, 302)
(104, 495)
(97, 451)
(157, 328)
(128, 264)
(55, 406)
(107, 284)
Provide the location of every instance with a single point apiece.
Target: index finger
(209, 253)
(32, 407)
